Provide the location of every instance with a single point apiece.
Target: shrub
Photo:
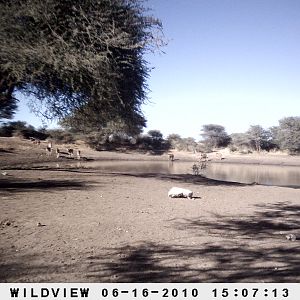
(60, 136)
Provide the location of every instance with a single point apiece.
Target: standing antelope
(57, 153)
(49, 148)
(78, 153)
(171, 156)
(70, 152)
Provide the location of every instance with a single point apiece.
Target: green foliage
(174, 140)
(258, 137)
(273, 132)
(287, 134)
(21, 129)
(96, 140)
(8, 103)
(81, 59)
(116, 126)
(8, 129)
(182, 144)
(215, 136)
(204, 148)
(240, 140)
(60, 136)
(154, 140)
(155, 135)
(189, 144)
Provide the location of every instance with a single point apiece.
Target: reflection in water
(159, 167)
(243, 173)
(261, 174)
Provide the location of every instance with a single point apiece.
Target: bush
(204, 148)
(60, 136)
(21, 133)
(233, 148)
(215, 136)
(97, 141)
(22, 130)
(288, 134)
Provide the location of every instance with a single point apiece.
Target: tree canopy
(8, 103)
(215, 136)
(81, 60)
(287, 134)
(258, 137)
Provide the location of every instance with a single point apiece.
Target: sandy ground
(85, 225)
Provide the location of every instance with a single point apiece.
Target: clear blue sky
(234, 63)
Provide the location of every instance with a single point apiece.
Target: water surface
(243, 173)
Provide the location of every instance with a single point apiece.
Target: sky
(234, 63)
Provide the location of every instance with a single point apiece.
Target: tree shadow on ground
(28, 268)
(269, 220)
(11, 185)
(184, 178)
(162, 262)
(251, 249)
(5, 151)
(247, 248)
(224, 262)
(12, 271)
(195, 179)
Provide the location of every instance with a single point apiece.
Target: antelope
(195, 169)
(171, 156)
(70, 152)
(57, 153)
(78, 153)
(49, 148)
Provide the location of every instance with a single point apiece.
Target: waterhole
(242, 173)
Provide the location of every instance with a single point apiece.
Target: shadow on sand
(195, 179)
(247, 249)
(10, 185)
(5, 151)
(251, 249)
(184, 178)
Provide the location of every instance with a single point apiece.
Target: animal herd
(59, 152)
(76, 153)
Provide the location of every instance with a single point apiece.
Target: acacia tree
(155, 135)
(8, 104)
(240, 140)
(189, 144)
(215, 136)
(174, 140)
(287, 134)
(82, 59)
(258, 137)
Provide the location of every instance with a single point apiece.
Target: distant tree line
(285, 137)
(106, 139)
(23, 130)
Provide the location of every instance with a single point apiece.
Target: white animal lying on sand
(176, 192)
